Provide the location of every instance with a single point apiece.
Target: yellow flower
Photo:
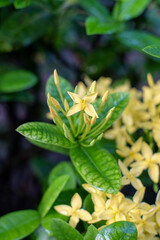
(132, 153)
(150, 161)
(158, 208)
(130, 177)
(83, 104)
(74, 211)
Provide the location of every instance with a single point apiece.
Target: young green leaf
(44, 133)
(21, 3)
(62, 230)
(137, 39)
(97, 167)
(17, 80)
(91, 233)
(17, 225)
(50, 147)
(127, 9)
(62, 169)
(119, 230)
(153, 50)
(51, 194)
(96, 26)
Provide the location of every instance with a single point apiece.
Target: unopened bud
(86, 118)
(53, 112)
(76, 89)
(105, 96)
(110, 113)
(66, 105)
(66, 131)
(92, 142)
(55, 103)
(92, 88)
(93, 120)
(99, 137)
(150, 80)
(56, 78)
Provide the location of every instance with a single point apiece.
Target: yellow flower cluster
(113, 208)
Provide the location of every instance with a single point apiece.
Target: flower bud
(56, 78)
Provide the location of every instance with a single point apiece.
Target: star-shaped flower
(83, 104)
(74, 211)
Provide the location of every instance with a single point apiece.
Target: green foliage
(119, 230)
(62, 169)
(91, 233)
(137, 39)
(51, 194)
(97, 167)
(62, 230)
(32, 22)
(17, 80)
(17, 225)
(21, 3)
(44, 133)
(153, 50)
(127, 9)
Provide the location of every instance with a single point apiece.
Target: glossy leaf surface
(62, 230)
(97, 167)
(119, 230)
(137, 39)
(51, 194)
(61, 169)
(44, 133)
(17, 225)
(17, 80)
(153, 50)
(127, 9)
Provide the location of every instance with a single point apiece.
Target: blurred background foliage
(77, 37)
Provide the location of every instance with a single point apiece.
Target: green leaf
(32, 25)
(96, 26)
(127, 9)
(62, 230)
(91, 233)
(50, 147)
(153, 50)
(17, 80)
(65, 86)
(21, 3)
(17, 225)
(51, 194)
(4, 3)
(62, 169)
(95, 8)
(46, 221)
(97, 167)
(119, 230)
(119, 101)
(44, 133)
(137, 39)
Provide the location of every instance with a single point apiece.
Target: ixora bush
(82, 116)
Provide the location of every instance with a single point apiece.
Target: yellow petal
(90, 98)
(74, 97)
(99, 202)
(158, 198)
(137, 145)
(64, 210)
(158, 217)
(136, 183)
(84, 215)
(120, 217)
(76, 201)
(146, 150)
(125, 181)
(150, 227)
(89, 188)
(74, 220)
(89, 109)
(153, 172)
(74, 109)
(139, 195)
(123, 168)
